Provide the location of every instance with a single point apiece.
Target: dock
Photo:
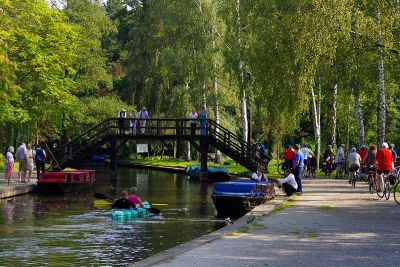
(15, 188)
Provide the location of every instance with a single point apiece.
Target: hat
(353, 149)
(392, 145)
(143, 107)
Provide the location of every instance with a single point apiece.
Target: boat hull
(214, 173)
(63, 182)
(237, 198)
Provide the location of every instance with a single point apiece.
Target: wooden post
(113, 158)
(203, 160)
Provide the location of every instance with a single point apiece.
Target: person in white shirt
(259, 174)
(10, 163)
(143, 116)
(193, 121)
(30, 156)
(20, 156)
(307, 153)
(288, 184)
(132, 122)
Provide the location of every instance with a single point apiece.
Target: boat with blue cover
(215, 173)
(238, 197)
(130, 214)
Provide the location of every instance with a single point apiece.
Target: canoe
(215, 173)
(130, 214)
(239, 197)
(62, 182)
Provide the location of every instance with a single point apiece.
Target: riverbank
(331, 224)
(16, 188)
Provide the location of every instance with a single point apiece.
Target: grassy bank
(232, 166)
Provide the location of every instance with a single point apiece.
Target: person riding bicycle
(288, 155)
(339, 160)
(328, 158)
(369, 159)
(362, 152)
(354, 161)
(383, 162)
(307, 153)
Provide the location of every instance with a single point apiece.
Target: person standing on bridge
(132, 122)
(193, 121)
(203, 119)
(143, 116)
(121, 121)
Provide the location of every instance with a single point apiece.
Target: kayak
(129, 214)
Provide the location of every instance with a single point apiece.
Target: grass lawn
(232, 166)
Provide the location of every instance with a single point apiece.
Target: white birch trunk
(243, 105)
(216, 109)
(334, 114)
(382, 97)
(316, 110)
(359, 116)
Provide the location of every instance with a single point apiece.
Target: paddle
(102, 196)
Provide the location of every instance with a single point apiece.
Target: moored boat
(215, 173)
(239, 197)
(68, 181)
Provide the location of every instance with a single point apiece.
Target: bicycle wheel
(381, 191)
(387, 190)
(280, 168)
(353, 179)
(396, 194)
(370, 184)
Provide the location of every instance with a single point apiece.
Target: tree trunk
(243, 105)
(359, 116)
(316, 110)
(215, 87)
(382, 98)
(333, 117)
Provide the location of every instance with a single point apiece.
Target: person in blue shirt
(394, 155)
(40, 160)
(297, 167)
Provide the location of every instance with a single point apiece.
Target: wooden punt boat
(239, 197)
(68, 181)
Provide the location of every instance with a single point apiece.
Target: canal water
(59, 230)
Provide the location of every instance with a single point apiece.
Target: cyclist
(369, 159)
(288, 155)
(362, 152)
(354, 162)
(394, 155)
(339, 160)
(306, 153)
(328, 157)
(383, 162)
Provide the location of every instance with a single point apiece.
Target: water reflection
(45, 229)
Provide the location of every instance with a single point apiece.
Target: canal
(69, 229)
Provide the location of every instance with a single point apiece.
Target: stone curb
(169, 254)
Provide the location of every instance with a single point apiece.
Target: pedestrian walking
(40, 159)
(193, 121)
(143, 116)
(121, 121)
(30, 155)
(10, 163)
(20, 156)
(297, 167)
(132, 122)
(203, 119)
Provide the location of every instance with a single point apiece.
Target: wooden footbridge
(115, 132)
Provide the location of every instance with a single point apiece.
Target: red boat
(68, 181)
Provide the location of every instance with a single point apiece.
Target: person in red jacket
(288, 154)
(383, 163)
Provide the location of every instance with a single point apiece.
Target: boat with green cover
(215, 173)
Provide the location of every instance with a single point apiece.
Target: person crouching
(288, 184)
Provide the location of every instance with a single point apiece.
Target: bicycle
(340, 170)
(371, 180)
(396, 194)
(384, 191)
(282, 167)
(353, 177)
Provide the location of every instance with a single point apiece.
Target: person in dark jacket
(123, 202)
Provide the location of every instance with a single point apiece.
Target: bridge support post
(113, 158)
(203, 160)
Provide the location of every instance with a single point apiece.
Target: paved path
(331, 224)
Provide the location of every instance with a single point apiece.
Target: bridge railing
(154, 128)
